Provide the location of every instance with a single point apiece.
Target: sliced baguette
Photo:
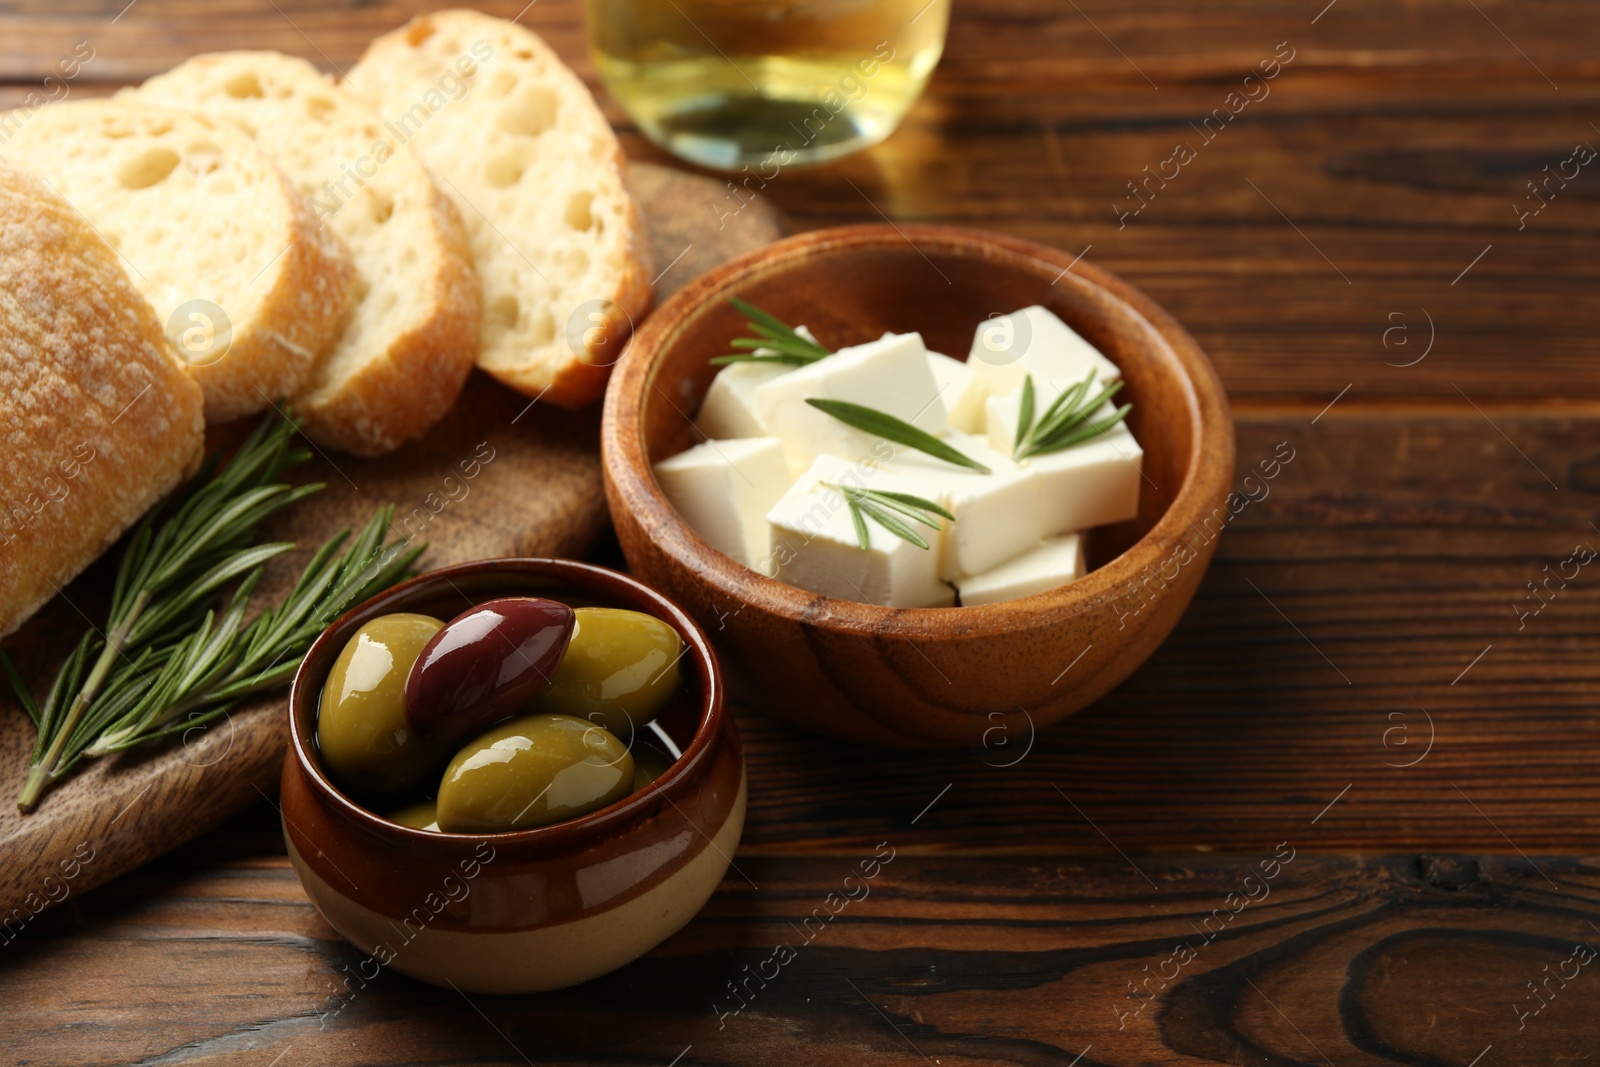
(413, 337)
(97, 418)
(198, 212)
(536, 171)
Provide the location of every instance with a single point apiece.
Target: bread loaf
(202, 220)
(97, 418)
(413, 337)
(520, 145)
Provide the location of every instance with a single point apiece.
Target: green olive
(620, 668)
(366, 743)
(424, 815)
(533, 771)
(648, 765)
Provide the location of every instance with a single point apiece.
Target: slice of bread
(97, 418)
(522, 148)
(413, 338)
(202, 220)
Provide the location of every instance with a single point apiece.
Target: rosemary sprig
(165, 576)
(223, 661)
(882, 424)
(775, 341)
(1066, 422)
(160, 603)
(886, 509)
(1024, 416)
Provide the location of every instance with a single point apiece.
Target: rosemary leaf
(882, 424)
(224, 661)
(1062, 408)
(775, 326)
(774, 341)
(1068, 399)
(885, 509)
(1084, 433)
(66, 683)
(1024, 415)
(796, 344)
(863, 536)
(891, 522)
(766, 346)
(161, 617)
(1067, 421)
(161, 638)
(1083, 410)
(792, 361)
(912, 506)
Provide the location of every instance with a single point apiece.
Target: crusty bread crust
(537, 142)
(304, 312)
(97, 419)
(223, 224)
(412, 340)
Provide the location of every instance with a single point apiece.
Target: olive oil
(766, 83)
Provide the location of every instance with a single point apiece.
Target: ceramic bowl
(527, 910)
(927, 677)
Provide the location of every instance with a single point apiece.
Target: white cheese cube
(1090, 484)
(958, 388)
(996, 515)
(724, 489)
(1054, 563)
(729, 409)
(1033, 341)
(890, 374)
(1000, 418)
(815, 547)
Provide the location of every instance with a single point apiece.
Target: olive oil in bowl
(734, 83)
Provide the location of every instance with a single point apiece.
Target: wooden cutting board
(499, 476)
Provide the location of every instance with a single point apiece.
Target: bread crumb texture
(412, 337)
(198, 213)
(536, 172)
(97, 418)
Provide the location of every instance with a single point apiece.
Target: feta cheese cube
(729, 409)
(1033, 341)
(996, 515)
(1090, 484)
(1000, 417)
(890, 374)
(724, 489)
(958, 388)
(814, 543)
(1054, 563)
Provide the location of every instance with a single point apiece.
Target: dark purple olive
(485, 665)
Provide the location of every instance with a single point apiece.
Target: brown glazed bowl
(527, 910)
(927, 677)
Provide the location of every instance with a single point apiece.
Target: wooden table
(1367, 682)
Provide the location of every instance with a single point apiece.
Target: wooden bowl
(927, 677)
(526, 910)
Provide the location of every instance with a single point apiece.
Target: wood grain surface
(943, 959)
(1373, 599)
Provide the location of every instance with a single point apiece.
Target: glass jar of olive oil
(731, 83)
